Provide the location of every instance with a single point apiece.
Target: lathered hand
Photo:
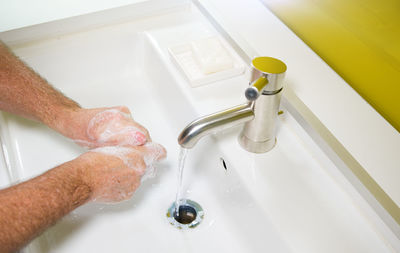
(104, 127)
(114, 173)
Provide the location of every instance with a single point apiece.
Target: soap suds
(156, 152)
(152, 153)
(106, 126)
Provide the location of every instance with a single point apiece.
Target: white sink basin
(287, 200)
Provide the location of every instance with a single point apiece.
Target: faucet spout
(215, 122)
(259, 114)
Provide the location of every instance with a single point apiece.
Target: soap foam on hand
(211, 55)
(112, 127)
(154, 152)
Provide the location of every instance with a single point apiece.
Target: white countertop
(370, 139)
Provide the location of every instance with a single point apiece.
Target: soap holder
(187, 60)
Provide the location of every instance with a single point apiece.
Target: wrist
(73, 179)
(70, 123)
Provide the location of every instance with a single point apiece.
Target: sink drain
(189, 214)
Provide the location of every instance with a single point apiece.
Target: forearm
(24, 92)
(29, 208)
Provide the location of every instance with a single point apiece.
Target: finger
(152, 152)
(123, 109)
(130, 157)
(126, 110)
(144, 131)
(111, 127)
(157, 150)
(128, 136)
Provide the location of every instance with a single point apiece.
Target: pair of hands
(121, 154)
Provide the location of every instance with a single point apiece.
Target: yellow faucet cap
(269, 65)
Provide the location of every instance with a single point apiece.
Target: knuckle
(141, 163)
(124, 109)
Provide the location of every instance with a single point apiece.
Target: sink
(291, 199)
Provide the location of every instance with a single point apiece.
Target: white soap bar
(211, 55)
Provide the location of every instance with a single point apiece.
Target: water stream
(181, 166)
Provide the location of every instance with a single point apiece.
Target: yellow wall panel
(359, 39)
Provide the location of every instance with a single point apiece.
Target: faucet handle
(255, 88)
(266, 75)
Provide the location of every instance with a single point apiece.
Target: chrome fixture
(189, 214)
(259, 113)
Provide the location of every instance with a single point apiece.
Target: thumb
(153, 152)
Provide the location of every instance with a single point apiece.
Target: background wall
(359, 39)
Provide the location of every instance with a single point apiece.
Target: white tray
(183, 57)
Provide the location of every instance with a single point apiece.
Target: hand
(103, 127)
(114, 173)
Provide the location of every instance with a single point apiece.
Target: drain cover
(189, 214)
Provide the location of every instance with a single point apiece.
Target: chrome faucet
(259, 113)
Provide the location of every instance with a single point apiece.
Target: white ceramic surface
(15, 14)
(4, 177)
(370, 139)
(285, 200)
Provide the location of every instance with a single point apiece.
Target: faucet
(259, 113)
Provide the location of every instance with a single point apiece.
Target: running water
(181, 166)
